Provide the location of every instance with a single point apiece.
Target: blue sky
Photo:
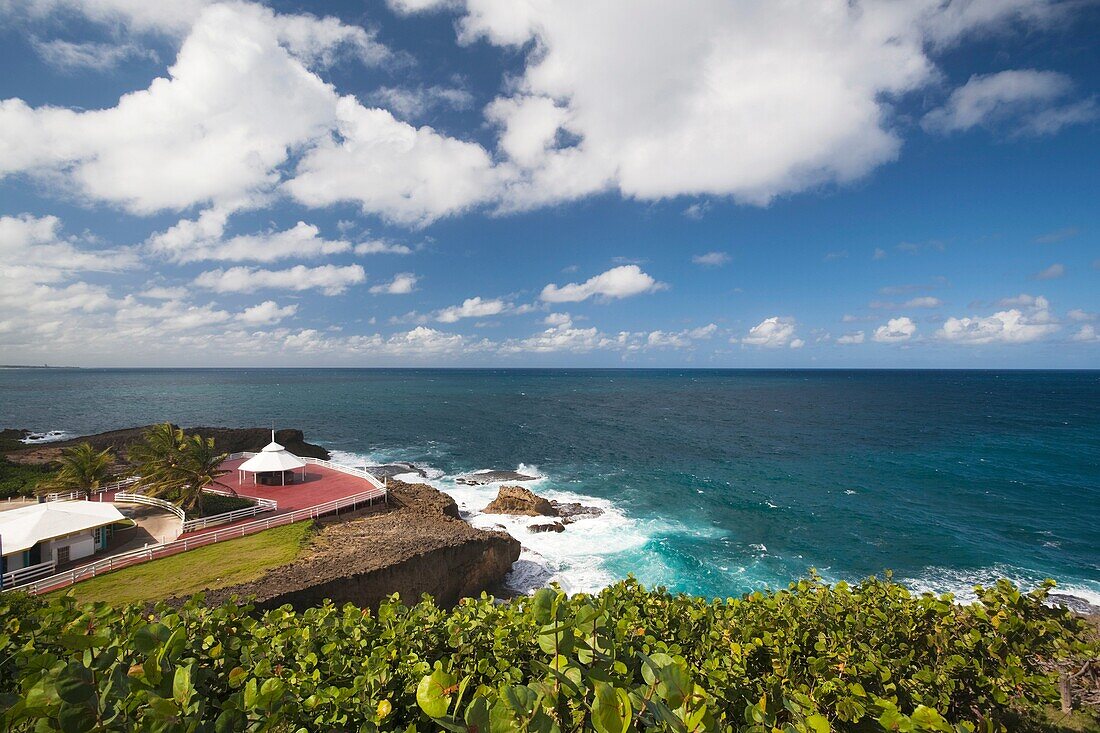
(508, 183)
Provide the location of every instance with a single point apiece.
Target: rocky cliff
(228, 440)
(418, 546)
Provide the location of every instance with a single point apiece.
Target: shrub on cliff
(811, 658)
(17, 479)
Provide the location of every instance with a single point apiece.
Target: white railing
(370, 478)
(64, 496)
(29, 573)
(259, 507)
(168, 506)
(117, 485)
(104, 488)
(152, 552)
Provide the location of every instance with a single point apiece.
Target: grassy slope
(213, 566)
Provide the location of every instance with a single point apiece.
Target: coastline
(586, 556)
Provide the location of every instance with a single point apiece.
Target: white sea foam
(50, 436)
(575, 558)
(960, 583)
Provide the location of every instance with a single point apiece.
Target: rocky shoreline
(229, 440)
(419, 545)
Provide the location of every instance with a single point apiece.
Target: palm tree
(178, 467)
(199, 470)
(158, 453)
(83, 468)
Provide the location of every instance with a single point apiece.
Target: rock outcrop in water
(227, 440)
(547, 527)
(521, 502)
(481, 478)
(418, 546)
(389, 470)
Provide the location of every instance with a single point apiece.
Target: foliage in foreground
(812, 658)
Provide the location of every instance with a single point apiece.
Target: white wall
(15, 561)
(80, 545)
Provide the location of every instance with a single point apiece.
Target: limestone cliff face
(418, 546)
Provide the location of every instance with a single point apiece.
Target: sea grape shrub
(810, 658)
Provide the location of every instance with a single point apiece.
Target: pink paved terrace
(321, 485)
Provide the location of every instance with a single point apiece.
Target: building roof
(273, 457)
(23, 528)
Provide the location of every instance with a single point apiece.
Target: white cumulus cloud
(238, 98)
(1026, 101)
(267, 313)
(405, 174)
(476, 307)
(895, 330)
(201, 239)
(402, 283)
(711, 259)
(329, 279)
(1030, 321)
(773, 333)
(1087, 333)
(618, 282)
(751, 99)
(1078, 314)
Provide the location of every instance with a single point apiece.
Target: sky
(523, 183)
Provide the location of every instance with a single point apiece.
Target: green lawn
(213, 566)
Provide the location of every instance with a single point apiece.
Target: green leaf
(150, 636)
(818, 723)
(928, 718)
(676, 685)
(237, 676)
(74, 690)
(75, 719)
(251, 694)
(182, 687)
(611, 711)
(432, 693)
(80, 642)
(542, 604)
(477, 716)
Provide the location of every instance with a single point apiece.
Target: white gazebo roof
(273, 457)
(23, 528)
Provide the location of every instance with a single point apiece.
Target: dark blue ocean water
(715, 482)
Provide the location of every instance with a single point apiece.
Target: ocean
(712, 482)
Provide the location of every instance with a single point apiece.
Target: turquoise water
(714, 482)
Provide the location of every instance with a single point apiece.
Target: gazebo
(271, 465)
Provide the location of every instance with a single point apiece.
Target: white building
(273, 465)
(56, 531)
